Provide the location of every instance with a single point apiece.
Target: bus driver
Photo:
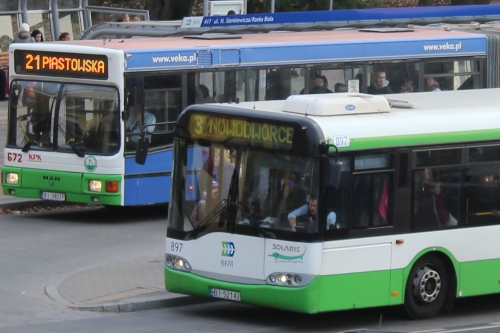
(307, 211)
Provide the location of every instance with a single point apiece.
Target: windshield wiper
(210, 218)
(28, 144)
(71, 143)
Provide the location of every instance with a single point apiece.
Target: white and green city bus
(407, 192)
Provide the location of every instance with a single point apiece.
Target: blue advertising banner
(306, 53)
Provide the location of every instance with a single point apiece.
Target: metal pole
(55, 19)
(86, 15)
(205, 7)
(272, 6)
(24, 9)
(331, 5)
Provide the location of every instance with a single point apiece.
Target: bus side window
(437, 198)
(371, 198)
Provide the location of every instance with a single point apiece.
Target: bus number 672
(15, 157)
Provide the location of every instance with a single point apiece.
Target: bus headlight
(11, 178)
(289, 279)
(95, 185)
(177, 263)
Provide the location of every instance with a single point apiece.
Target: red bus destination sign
(84, 66)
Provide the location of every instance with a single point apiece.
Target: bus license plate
(225, 294)
(53, 196)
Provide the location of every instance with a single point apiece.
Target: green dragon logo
(278, 256)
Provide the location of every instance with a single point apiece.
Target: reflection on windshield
(82, 119)
(267, 188)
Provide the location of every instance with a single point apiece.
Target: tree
(264, 6)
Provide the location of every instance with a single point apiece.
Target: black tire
(426, 288)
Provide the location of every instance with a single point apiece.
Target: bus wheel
(426, 288)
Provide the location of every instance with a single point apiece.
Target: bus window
(427, 158)
(33, 114)
(371, 197)
(436, 198)
(88, 116)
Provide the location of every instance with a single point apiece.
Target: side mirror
(142, 149)
(332, 173)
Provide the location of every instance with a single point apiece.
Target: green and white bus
(407, 192)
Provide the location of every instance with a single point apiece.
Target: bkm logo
(228, 249)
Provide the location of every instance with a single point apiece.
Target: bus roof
(225, 51)
(435, 118)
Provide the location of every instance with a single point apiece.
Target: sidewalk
(116, 287)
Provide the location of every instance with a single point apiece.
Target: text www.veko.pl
(443, 47)
(175, 59)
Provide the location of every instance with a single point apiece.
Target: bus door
(157, 101)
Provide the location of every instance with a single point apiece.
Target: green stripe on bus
(73, 184)
(324, 293)
(422, 139)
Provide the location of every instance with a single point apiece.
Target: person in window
(123, 18)
(431, 84)
(331, 221)
(64, 37)
(275, 88)
(37, 36)
(381, 85)
(432, 211)
(135, 122)
(340, 87)
(203, 95)
(304, 217)
(29, 102)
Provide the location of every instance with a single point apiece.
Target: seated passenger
(380, 86)
(307, 212)
(135, 123)
(203, 95)
(431, 84)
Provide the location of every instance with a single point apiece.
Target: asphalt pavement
(126, 286)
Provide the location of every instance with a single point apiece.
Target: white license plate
(53, 196)
(225, 294)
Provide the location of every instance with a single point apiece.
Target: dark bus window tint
(371, 197)
(438, 157)
(436, 196)
(484, 154)
(482, 193)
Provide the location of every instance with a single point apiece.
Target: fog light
(95, 185)
(95, 199)
(12, 178)
(12, 192)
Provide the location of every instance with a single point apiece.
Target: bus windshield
(244, 190)
(74, 118)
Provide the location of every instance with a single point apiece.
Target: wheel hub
(427, 285)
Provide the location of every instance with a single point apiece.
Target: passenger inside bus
(135, 123)
(203, 95)
(431, 84)
(275, 89)
(380, 85)
(29, 102)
